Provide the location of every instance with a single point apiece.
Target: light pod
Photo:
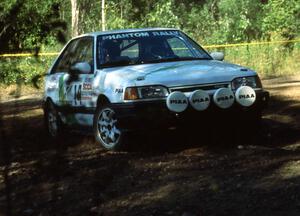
(223, 98)
(177, 102)
(245, 96)
(199, 100)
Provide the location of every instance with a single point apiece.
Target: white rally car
(117, 81)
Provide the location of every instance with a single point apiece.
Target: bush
(25, 69)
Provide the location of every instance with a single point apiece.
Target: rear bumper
(156, 115)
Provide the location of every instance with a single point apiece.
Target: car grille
(206, 87)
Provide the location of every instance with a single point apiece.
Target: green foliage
(25, 69)
(33, 25)
(120, 20)
(282, 19)
(162, 16)
(28, 24)
(199, 24)
(238, 20)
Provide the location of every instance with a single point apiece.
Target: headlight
(253, 82)
(145, 92)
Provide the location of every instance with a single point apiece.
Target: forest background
(265, 33)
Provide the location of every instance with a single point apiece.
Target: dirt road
(169, 175)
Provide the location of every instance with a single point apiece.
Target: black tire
(106, 131)
(53, 123)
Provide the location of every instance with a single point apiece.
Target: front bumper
(156, 115)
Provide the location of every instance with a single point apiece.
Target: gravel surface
(167, 174)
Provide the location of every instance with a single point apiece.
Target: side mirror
(219, 56)
(80, 67)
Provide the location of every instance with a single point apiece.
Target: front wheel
(106, 129)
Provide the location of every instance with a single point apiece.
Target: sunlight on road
(290, 170)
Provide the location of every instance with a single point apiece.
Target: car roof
(120, 31)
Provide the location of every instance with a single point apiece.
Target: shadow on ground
(168, 174)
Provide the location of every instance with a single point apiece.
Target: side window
(84, 51)
(64, 62)
(179, 48)
(79, 50)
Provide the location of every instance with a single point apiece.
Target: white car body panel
(178, 73)
(112, 82)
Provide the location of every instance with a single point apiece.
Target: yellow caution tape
(28, 54)
(207, 46)
(252, 43)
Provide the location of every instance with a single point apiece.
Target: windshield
(147, 47)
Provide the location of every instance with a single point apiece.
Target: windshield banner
(139, 35)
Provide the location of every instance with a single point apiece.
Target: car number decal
(77, 94)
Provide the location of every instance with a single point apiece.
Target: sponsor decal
(224, 98)
(119, 90)
(139, 35)
(87, 87)
(177, 102)
(162, 33)
(174, 101)
(245, 96)
(199, 100)
(125, 35)
(86, 96)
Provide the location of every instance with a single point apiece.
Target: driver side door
(74, 89)
(79, 86)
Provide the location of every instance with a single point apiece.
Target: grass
(269, 60)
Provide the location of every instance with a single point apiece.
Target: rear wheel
(52, 121)
(106, 130)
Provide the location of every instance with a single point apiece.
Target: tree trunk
(103, 14)
(75, 16)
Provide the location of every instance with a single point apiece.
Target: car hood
(179, 73)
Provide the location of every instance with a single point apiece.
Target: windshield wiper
(126, 62)
(116, 63)
(194, 58)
